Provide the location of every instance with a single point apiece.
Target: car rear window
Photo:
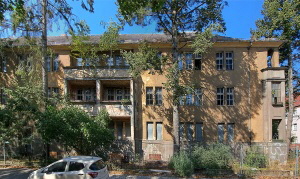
(76, 166)
(97, 165)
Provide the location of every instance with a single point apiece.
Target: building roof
(139, 38)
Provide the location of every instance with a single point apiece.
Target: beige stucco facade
(250, 117)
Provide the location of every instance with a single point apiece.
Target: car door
(75, 170)
(55, 171)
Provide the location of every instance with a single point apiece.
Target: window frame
(229, 59)
(149, 96)
(222, 61)
(220, 96)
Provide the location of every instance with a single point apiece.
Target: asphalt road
(23, 173)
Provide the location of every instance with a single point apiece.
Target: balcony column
(132, 99)
(66, 87)
(98, 91)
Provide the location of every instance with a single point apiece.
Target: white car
(77, 167)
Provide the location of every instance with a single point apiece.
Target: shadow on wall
(247, 98)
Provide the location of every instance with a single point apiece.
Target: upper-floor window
(117, 94)
(86, 94)
(3, 65)
(2, 96)
(189, 61)
(52, 64)
(192, 98)
(276, 93)
(224, 60)
(225, 94)
(154, 95)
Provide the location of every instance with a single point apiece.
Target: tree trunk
(44, 48)
(291, 101)
(176, 83)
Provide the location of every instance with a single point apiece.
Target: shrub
(214, 156)
(255, 158)
(182, 164)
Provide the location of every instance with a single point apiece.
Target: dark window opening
(275, 128)
(269, 57)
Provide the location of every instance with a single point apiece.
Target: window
(275, 128)
(189, 99)
(123, 130)
(127, 93)
(110, 94)
(221, 132)
(117, 94)
(150, 130)
(2, 96)
(119, 60)
(190, 131)
(56, 64)
(79, 94)
(150, 99)
(48, 64)
(220, 96)
(75, 166)
(229, 96)
(97, 165)
(189, 61)
(3, 64)
(193, 98)
(229, 60)
(53, 91)
(181, 131)
(79, 62)
(180, 62)
(158, 95)
(119, 130)
(149, 95)
(110, 61)
(294, 127)
(85, 94)
(159, 131)
(230, 132)
(57, 167)
(198, 97)
(199, 131)
(276, 93)
(219, 61)
(198, 61)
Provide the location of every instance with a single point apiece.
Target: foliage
(182, 164)
(255, 158)
(174, 18)
(19, 114)
(147, 58)
(10, 6)
(214, 156)
(75, 129)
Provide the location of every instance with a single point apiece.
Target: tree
(35, 22)
(175, 18)
(75, 129)
(281, 19)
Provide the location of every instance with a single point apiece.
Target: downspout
(249, 92)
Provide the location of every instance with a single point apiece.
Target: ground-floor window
(122, 130)
(156, 127)
(189, 131)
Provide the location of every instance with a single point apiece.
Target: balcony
(73, 72)
(112, 95)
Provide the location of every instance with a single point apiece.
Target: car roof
(84, 159)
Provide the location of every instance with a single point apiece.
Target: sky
(239, 15)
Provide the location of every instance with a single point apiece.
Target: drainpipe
(249, 92)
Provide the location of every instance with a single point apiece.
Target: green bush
(214, 156)
(182, 164)
(255, 158)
